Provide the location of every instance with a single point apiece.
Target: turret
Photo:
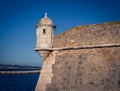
(45, 35)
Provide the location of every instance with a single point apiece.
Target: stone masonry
(90, 69)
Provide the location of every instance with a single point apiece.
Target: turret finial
(46, 15)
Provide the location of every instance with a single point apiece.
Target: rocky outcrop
(88, 69)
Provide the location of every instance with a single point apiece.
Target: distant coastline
(18, 66)
(20, 72)
(19, 69)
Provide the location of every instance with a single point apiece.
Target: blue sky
(18, 19)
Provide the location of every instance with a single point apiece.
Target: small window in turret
(44, 31)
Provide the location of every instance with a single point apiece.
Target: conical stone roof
(45, 21)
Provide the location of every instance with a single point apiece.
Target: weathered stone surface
(44, 54)
(104, 33)
(87, 69)
(84, 69)
(46, 72)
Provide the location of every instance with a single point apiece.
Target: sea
(18, 82)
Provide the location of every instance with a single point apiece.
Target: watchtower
(45, 35)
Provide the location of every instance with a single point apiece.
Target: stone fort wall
(93, 34)
(86, 70)
(95, 69)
